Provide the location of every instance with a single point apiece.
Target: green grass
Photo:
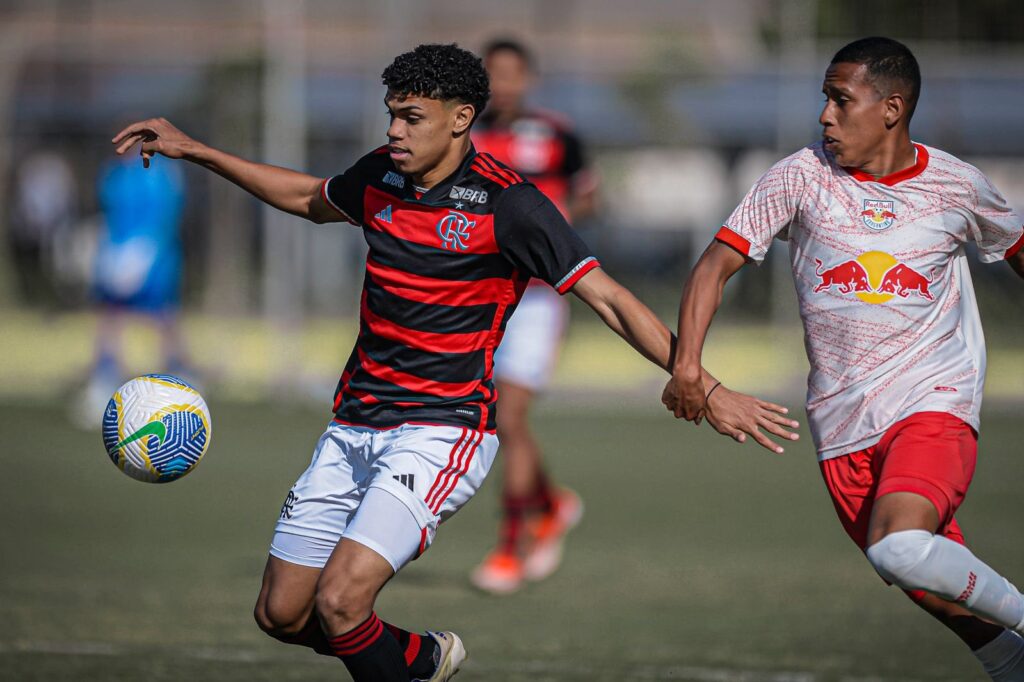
(698, 559)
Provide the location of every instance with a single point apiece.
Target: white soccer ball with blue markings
(156, 428)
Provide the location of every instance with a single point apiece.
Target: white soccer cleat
(545, 553)
(452, 654)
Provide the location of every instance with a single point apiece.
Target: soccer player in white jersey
(877, 227)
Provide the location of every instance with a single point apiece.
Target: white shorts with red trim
(533, 337)
(417, 473)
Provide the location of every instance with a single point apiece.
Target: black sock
(419, 651)
(371, 653)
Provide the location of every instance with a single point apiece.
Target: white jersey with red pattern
(891, 325)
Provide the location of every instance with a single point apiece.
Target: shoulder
(959, 180)
(812, 164)
(492, 175)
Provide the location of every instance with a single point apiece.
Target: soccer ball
(156, 428)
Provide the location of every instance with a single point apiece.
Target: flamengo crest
(453, 229)
(877, 214)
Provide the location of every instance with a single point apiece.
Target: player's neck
(892, 158)
(449, 163)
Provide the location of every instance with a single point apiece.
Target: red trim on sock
(359, 638)
(415, 641)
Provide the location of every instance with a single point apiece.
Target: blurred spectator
(138, 271)
(43, 211)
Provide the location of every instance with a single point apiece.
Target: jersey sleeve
(996, 227)
(534, 237)
(344, 193)
(765, 212)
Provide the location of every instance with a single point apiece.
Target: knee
(279, 623)
(896, 555)
(344, 602)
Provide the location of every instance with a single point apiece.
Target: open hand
(157, 135)
(738, 415)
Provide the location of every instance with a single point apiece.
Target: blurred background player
(878, 228)
(536, 515)
(137, 272)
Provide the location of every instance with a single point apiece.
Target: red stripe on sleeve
(1013, 250)
(567, 284)
(488, 174)
(730, 238)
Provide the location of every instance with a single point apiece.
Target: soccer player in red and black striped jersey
(453, 239)
(536, 514)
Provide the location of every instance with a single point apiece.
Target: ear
(462, 118)
(895, 109)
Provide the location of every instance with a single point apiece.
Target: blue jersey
(139, 257)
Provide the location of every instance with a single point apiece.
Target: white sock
(1003, 657)
(918, 560)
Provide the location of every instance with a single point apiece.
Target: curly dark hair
(444, 72)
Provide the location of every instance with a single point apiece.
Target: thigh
(433, 470)
(928, 459)
(286, 595)
(327, 494)
(851, 483)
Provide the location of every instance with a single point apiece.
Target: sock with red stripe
(514, 510)
(371, 653)
(544, 494)
(420, 651)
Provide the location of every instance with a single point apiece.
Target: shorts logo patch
(289, 505)
(453, 229)
(972, 580)
(408, 480)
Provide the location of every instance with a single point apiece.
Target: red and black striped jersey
(541, 146)
(444, 272)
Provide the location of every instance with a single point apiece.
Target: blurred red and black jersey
(444, 272)
(541, 147)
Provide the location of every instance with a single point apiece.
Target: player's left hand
(738, 415)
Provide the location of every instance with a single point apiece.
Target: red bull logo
(873, 277)
(878, 214)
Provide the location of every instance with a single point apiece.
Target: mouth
(830, 142)
(398, 153)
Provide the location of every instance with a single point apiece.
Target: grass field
(698, 559)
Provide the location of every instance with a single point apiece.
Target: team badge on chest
(877, 214)
(453, 229)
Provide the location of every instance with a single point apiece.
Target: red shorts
(929, 453)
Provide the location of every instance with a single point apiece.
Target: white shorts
(527, 353)
(387, 489)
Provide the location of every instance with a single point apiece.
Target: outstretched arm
(687, 392)
(284, 189)
(730, 413)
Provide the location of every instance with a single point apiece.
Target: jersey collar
(443, 188)
(898, 176)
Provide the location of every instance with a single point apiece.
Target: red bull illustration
(848, 276)
(903, 280)
(874, 277)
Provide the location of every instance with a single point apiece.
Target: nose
(826, 118)
(395, 130)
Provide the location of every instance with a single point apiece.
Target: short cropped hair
(890, 65)
(444, 72)
(510, 45)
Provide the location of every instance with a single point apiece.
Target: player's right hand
(739, 415)
(685, 398)
(157, 136)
